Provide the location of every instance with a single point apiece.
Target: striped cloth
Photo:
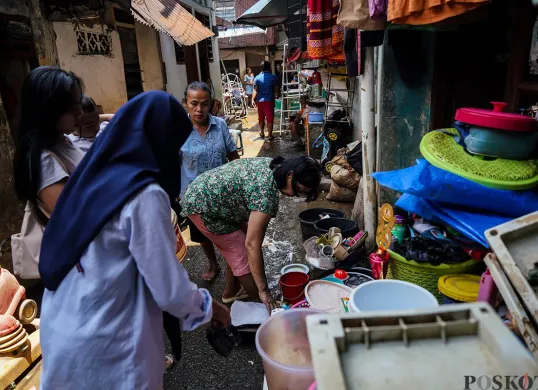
(325, 39)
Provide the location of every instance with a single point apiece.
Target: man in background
(266, 89)
(279, 73)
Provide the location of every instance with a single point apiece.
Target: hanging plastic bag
(356, 14)
(378, 9)
(429, 182)
(321, 141)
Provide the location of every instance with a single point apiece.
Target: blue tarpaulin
(466, 221)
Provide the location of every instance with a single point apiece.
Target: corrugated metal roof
(267, 39)
(263, 13)
(240, 31)
(171, 18)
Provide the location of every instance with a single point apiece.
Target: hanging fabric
(351, 51)
(360, 54)
(356, 14)
(325, 39)
(378, 9)
(419, 12)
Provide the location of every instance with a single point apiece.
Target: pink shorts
(231, 246)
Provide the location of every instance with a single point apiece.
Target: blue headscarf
(140, 146)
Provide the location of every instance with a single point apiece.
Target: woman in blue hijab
(108, 257)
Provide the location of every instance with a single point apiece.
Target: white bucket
(390, 295)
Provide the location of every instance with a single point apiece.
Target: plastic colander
(442, 151)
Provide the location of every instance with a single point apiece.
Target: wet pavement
(200, 367)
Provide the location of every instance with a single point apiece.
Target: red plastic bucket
(292, 285)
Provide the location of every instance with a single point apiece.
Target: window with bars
(92, 43)
(180, 54)
(209, 40)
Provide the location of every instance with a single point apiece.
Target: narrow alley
(350, 186)
(200, 367)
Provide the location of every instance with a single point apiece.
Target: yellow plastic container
(459, 288)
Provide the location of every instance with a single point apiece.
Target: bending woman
(221, 203)
(108, 257)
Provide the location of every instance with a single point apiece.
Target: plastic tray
(419, 350)
(516, 245)
(512, 301)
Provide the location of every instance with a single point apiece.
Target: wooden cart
(23, 371)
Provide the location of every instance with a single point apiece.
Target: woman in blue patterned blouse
(209, 146)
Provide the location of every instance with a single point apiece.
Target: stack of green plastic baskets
(425, 274)
(293, 104)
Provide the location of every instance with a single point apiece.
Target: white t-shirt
(51, 169)
(85, 143)
(81, 142)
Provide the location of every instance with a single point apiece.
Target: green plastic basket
(423, 274)
(441, 150)
(294, 105)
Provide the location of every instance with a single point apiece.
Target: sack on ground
(341, 194)
(339, 160)
(345, 176)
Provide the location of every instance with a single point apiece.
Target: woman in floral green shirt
(221, 203)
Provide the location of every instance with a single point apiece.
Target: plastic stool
(236, 136)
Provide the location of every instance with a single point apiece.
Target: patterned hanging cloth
(325, 39)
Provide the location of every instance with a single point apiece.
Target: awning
(170, 18)
(265, 13)
(240, 31)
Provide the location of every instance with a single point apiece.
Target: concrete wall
(10, 208)
(147, 40)
(356, 112)
(176, 75)
(226, 55)
(14, 7)
(214, 67)
(103, 76)
(44, 35)
(254, 60)
(405, 101)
